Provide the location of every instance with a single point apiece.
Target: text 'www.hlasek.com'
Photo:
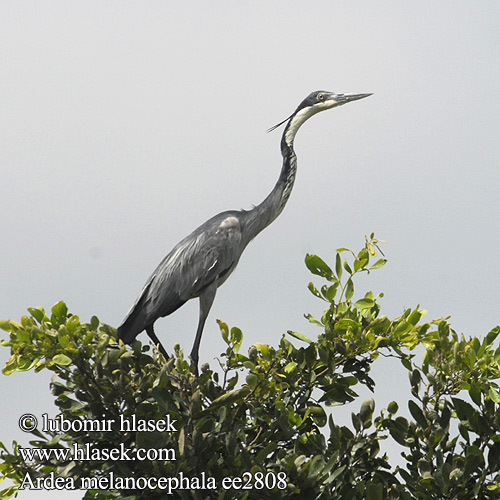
(110, 481)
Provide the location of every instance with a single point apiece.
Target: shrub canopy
(259, 426)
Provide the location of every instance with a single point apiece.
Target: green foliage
(265, 414)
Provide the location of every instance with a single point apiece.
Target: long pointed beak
(345, 98)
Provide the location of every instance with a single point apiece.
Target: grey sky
(126, 125)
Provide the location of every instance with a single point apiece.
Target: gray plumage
(202, 261)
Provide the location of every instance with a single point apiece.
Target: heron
(204, 260)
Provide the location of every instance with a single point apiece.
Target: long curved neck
(266, 212)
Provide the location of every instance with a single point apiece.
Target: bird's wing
(207, 255)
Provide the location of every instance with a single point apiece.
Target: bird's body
(205, 257)
(202, 261)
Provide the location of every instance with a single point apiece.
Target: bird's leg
(206, 300)
(152, 335)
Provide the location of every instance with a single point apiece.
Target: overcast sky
(124, 125)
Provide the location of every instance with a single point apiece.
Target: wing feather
(209, 254)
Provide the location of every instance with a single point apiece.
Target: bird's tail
(126, 333)
(135, 321)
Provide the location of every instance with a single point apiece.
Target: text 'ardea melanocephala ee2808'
(202, 261)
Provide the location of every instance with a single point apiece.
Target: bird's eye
(320, 97)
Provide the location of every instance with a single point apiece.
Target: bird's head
(321, 100)
(317, 101)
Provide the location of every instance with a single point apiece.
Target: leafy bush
(260, 422)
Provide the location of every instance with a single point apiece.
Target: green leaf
(492, 335)
(69, 404)
(494, 395)
(316, 465)
(338, 266)
(336, 473)
(393, 407)
(318, 414)
(494, 457)
(475, 394)
(224, 329)
(262, 348)
(63, 339)
(314, 290)
(374, 491)
(23, 336)
(182, 441)
(236, 338)
(349, 291)
(364, 304)
(38, 313)
(27, 364)
(10, 367)
(329, 292)
(402, 327)
(72, 325)
(378, 264)
(417, 414)
(61, 359)
(313, 320)
(229, 398)
(290, 367)
(463, 409)
(363, 254)
(300, 336)
(406, 362)
(94, 322)
(347, 267)
(380, 341)
(360, 264)
(318, 266)
(236, 335)
(265, 452)
(8, 492)
(415, 379)
(367, 409)
(345, 323)
(398, 429)
(59, 313)
(5, 325)
(415, 316)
